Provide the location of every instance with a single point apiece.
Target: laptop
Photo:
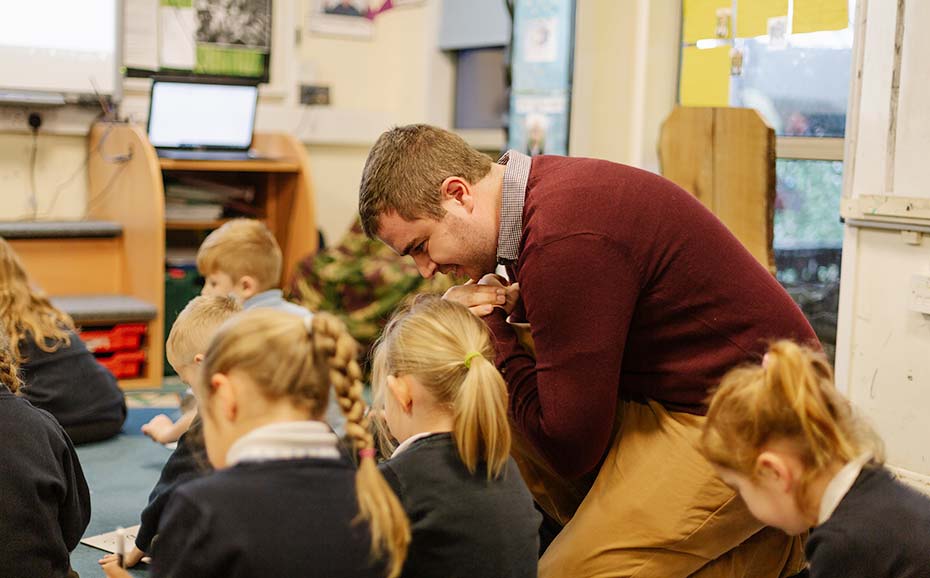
(202, 120)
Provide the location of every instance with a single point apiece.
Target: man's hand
(512, 290)
(481, 298)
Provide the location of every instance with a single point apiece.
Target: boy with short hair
(242, 258)
(186, 345)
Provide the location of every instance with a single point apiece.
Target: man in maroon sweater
(639, 300)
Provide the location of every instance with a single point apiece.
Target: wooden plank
(744, 179)
(256, 166)
(125, 185)
(685, 154)
(294, 205)
(195, 225)
(72, 266)
(726, 158)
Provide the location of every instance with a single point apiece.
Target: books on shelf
(175, 211)
(192, 199)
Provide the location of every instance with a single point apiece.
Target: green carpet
(120, 473)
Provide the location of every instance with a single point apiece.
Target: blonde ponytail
(449, 350)
(805, 382)
(790, 397)
(481, 430)
(298, 359)
(377, 503)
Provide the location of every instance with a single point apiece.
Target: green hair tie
(471, 356)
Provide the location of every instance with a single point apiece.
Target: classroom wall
(625, 76)
(374, 84)
(625, 79)
(882, 347)
(59, 158)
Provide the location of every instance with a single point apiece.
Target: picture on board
(234, 22)
(345, 7)
(340, 18)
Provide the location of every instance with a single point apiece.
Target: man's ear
(773, 469)
(225, 397)
(247, 286)
(457, 190)
(401, 392)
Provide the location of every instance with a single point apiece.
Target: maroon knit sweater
(632, 288)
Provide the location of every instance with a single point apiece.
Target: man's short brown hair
(405, 169)
(240, 248)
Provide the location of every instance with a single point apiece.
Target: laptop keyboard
(205, 155)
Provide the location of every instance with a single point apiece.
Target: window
(798, 82)
(809, 240)
(480, 93)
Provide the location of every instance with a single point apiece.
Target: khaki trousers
(657, 510)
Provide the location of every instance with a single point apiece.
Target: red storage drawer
(124, 364)
(121, 337)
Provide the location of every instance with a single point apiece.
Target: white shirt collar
(840, 485)
(409, 441)
(285, 441)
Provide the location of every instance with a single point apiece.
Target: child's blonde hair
(294, 358)
(25, 311)
(240, 248)
(196, 325)
(9, 368)
(450, 352)
(790, 398)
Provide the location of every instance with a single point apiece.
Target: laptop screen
(195, 115)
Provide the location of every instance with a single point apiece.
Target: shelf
(256, 166)
(194, 225)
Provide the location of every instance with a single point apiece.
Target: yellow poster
(705, 76)
(752, 16)
(817, 15)
(706, 19)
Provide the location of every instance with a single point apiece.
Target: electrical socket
(313, 94)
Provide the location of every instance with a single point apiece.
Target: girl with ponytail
(284, 501)
(445, 402)
(801, 459)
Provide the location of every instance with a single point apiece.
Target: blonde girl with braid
(284, 499)
(59, 374)
(446, 403)
(45, 505)
(801, 458)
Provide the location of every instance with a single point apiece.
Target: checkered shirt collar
(512, 197)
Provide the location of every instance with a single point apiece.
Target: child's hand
(132, 557)
(161, 429)
(110, 564)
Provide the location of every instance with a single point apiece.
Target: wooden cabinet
(126, 185)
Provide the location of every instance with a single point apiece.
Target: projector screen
(58, 46)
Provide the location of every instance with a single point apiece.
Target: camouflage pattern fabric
(361, 281)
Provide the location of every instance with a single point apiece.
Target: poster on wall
(539, 124)
(540, 98)
(340, 18)
(216, 37)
